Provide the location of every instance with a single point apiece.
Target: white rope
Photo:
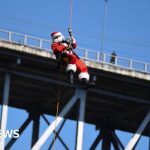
(70, 18)
(103, 27)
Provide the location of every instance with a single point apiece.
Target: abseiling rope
(70, 18)
(103, 27)
(58, 103)
(60, 78)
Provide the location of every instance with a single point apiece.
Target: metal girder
(120, 96)
(117, 140)
(99, 91)
(35, 128)
(4, 114)
(57, 121)
(106, 138)
(21, 129)
(138, 133)
(57, 134)
(96, 142)
(115, 144)
(81, 120)
(35, 77)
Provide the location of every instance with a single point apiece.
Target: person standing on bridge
(63, 50)
(113, 57)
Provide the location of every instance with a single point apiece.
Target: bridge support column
(106, 140)
(60, 139)
(132, 143)
(96, 142)
(4, 112)
(78, 96)
(116, 141)
(80, 122)
(35, 129)
(107, 136)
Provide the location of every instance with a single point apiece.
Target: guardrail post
(25, 40)
(41, 43)
(86, 54)
(130, 63)
(116, 61)
(9, 36)
(97, 57)
(100, 57)
(103, 57)
(145, 67)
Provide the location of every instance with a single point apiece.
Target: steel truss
(106, 135)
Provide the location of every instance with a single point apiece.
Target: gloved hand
(70, 31)
(68, 40)
(73, 41)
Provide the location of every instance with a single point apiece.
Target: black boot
(70, 76)
(86, 83)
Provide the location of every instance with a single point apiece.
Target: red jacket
(59, 47)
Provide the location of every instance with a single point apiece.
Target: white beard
(59, 40)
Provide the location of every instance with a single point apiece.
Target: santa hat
(54, 34)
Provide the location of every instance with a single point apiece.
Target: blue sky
(126, 31)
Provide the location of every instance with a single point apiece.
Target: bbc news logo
(9, 134)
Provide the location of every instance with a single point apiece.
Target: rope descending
(60, 73)
(103, 27)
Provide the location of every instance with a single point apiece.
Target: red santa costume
(74, 63)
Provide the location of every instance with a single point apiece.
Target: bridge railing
(86, 54)
(120, 61)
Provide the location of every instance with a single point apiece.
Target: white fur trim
(84, 75)
(74, 41)
(66, 45)
(59, 39)
(71, 67)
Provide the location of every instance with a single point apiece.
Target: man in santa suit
(62, 50)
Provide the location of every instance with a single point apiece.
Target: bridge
(119, 101)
